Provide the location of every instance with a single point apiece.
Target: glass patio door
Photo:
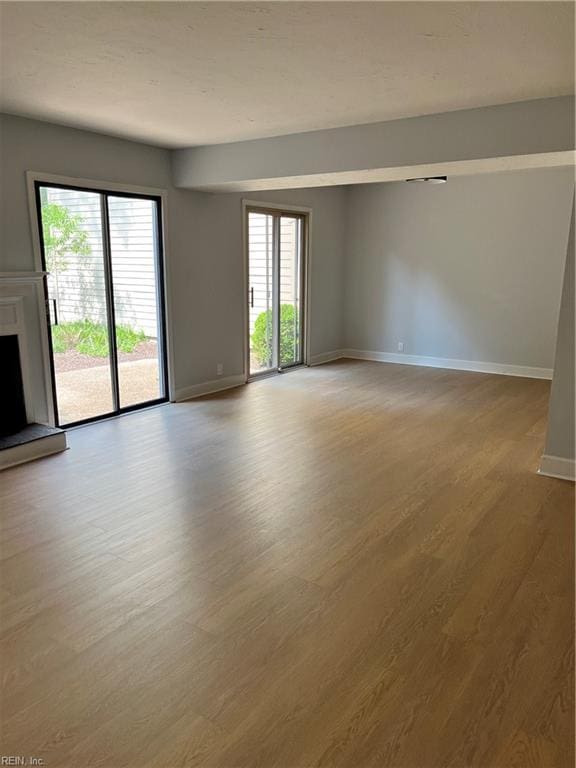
(275, 290)
(102, 255)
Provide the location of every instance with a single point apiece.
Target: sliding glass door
(102, 255)
(276, 242)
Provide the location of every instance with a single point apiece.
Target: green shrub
(89, 338)
(93, 340)
(58, 341)
(62, 234)
(289, 333)
(127, 339)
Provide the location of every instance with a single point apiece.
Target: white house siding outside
(79, 288)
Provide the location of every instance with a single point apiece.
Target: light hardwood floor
(352, 565)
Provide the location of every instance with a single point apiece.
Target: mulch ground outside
(71, 360)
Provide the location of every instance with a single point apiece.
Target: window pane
(290, 290)
(261, 292)
(133, 250)
(72, 234)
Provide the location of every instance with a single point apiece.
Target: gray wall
(522, 128)
(207, 288)
(561, 421)
(471, 270)
(205, 257)
(468, 270)
(29, 145)
(37, 146)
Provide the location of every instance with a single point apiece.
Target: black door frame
(104, 194)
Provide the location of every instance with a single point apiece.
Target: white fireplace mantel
(22, 276)
(23, 313)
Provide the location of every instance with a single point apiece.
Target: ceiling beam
(524, 134)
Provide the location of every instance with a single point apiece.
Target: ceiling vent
(431, 179)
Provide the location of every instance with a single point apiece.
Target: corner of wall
(559, 454)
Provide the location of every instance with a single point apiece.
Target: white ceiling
(188, 73)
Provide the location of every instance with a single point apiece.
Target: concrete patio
(87, 392)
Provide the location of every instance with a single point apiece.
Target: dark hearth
(12, 404)
(29, 434)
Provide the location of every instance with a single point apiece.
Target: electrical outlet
(400, 346)
(219, 369)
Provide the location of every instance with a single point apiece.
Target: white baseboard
(326, 357)
(35, 449)
(209, 387)
(555, 466)
(444, 362)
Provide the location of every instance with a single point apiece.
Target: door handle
(54, 311)
(251, 298)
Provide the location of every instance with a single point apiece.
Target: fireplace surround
(26, 420)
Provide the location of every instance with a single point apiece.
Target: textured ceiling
(187, 73)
